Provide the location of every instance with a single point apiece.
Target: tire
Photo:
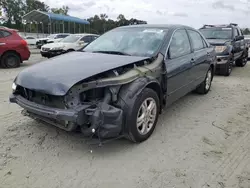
(204, 87)
(141, 132)
(10, 60)
(242, 61)
(228, 68)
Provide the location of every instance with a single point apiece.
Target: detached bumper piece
(104, 120)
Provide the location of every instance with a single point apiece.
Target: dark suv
(117, 85)
(229, 45)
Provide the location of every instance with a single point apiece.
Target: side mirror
(81, 42)
(237, 38)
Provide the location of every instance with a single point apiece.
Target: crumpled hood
(57, 75)
(218, 41)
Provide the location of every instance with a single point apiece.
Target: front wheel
(228, 68)
(205, 86)
(144, 116)
(242, 61)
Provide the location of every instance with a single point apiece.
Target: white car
(30, 40)
(51, 38)
(72, 42)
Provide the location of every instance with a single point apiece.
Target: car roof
(165, 26)
(231, 25)
(84, 34)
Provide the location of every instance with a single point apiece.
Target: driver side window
(179, 45)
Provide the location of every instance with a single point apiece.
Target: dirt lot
(200, 141)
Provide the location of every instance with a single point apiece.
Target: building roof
(46, 17)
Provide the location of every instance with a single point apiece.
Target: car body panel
(14, 43)
(76, 65)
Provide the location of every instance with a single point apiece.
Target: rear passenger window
(196, 40)
(179, 45)
(236, 32)
(4, 33)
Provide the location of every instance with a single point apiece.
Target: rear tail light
(23, 42)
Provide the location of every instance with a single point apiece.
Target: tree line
(98, 23)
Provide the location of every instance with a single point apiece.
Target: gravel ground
(200, 141)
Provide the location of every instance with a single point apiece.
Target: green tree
(246, 31)
(36, 5)
(64, 10)
(15, 10)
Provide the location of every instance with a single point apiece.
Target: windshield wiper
(111, 52)
(212, 38)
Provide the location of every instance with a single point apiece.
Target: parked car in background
(50, 39)
(229, 45)
(247, 40)
(30, 40)
(13, 48)
(118, 84)
(70, 43)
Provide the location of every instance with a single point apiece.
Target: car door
(178, 64)
(201, 60)
(241, 42)
(3, 41)
(236, 44)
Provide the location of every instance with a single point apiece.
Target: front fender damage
(104, 116)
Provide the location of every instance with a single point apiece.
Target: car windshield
(129, 41)
(71, 38)
(217, 33)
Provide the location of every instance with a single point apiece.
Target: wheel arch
(11, 51)
(128, 94)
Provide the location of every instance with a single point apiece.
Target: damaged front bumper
(102, 119)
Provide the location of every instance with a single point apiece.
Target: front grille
(41, 98)
(45, 49)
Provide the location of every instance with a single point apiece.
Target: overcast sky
(190, 12)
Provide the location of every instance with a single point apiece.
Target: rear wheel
(206, 84)
(144, 115)
(10, 60)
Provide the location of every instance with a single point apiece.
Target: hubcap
(11, 61)
(208, 79)
(146, 116)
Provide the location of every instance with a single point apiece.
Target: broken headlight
(14, 86)
(220, 49)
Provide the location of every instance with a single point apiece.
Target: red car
(13, 49)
